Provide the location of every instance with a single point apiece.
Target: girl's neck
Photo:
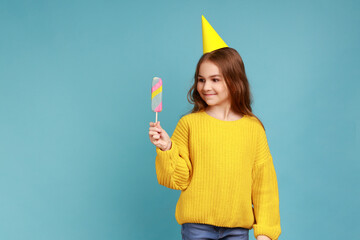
(225, 114)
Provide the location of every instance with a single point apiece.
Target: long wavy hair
(231, 66)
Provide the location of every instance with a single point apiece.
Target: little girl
(218, 156)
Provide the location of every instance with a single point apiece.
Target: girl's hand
(263, 237)
(159, 137)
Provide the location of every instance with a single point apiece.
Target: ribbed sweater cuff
(179, 169)
(170, 154)
(271, 232)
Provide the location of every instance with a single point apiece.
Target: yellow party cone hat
(211, 40)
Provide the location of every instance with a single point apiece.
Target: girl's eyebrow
(211, 76)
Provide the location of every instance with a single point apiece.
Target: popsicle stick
(156, 117)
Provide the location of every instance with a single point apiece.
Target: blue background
(76, 161)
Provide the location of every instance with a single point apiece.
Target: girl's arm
(265, 195)
(173, 166)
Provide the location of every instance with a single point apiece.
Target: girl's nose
(207, 85)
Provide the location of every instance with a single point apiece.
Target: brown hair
(231, 66)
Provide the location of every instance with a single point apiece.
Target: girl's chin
(210, 103)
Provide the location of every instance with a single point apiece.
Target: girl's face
(211, 85)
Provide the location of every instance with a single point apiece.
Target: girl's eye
(215, 80)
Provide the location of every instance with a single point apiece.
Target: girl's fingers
(154, 129)
(154, 124)
(152, 133)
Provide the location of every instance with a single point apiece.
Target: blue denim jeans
(199, 231)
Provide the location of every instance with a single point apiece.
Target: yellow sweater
(222, 168)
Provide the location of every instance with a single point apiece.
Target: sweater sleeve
(265, 195)
(173, 167)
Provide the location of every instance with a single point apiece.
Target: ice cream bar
(156, 95)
